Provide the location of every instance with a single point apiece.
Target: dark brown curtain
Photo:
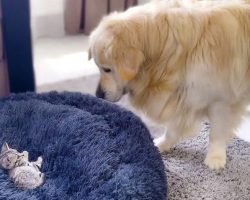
(4, 82)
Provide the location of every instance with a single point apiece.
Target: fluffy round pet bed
(91, 149)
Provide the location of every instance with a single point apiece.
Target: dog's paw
(215, 162)
(162, 145)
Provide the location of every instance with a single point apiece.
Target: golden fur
(179, 62)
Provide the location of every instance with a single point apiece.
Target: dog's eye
(106, 70)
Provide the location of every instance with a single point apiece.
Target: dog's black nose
(99, 92)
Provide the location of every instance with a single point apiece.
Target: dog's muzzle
(99, 92)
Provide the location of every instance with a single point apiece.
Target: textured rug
(189, 178)
(92, 149)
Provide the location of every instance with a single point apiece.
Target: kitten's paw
(26, 154)
(215, 162)
(162, 145)
(40, 159)
(42, 176)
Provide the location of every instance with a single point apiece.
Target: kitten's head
(8, 157)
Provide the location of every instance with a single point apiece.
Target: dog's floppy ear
(127, 62)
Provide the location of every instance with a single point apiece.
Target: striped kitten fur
(23, 173)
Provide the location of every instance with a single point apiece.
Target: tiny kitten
(23, 173)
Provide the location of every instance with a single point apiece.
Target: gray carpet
(188, 177)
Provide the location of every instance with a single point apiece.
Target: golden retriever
(179, 63)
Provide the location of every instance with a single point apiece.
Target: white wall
(47, 18)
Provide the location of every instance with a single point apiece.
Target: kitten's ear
(5, 147)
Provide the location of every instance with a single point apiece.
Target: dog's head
(117, 56)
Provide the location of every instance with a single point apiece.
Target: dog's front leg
(167, 140)
(223, 119)
(175, 132)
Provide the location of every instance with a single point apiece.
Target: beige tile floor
(62, 58)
